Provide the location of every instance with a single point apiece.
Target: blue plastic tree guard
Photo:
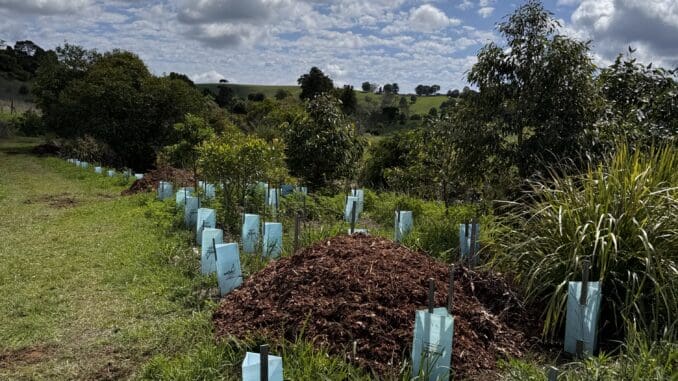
(111, 172)
(272, 246)
(250, 233)
(581, 322)
(402, 223)
(207, 218)
(164, 190)
(182, 194)
(139, 176)
(77, 163)
(432, 344)
(286, 189)
(191, 211)
(208, 190)
(98, 170)
(361, 198)
(349, 208)
(273, 197)
(465, 239)
(302, 190)
(356, 231)
(251, 367)
(84, 164)
(229, 274)
(208, 261)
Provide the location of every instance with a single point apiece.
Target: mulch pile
(367, 289)
(178, 178)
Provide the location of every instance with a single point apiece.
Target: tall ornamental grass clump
(621, 216)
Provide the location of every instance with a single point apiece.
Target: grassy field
(100, 286)
(421, 106)
(87, 292)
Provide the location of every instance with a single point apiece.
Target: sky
(409, 42)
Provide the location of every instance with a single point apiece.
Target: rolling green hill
(421, 106)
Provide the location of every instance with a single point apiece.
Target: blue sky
(275, 41)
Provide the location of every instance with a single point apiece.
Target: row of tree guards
(101, 170)
(434, 327)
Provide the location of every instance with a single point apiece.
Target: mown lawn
(87, 290)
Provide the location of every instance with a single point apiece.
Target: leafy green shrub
(89, 149)
(621, 216)
(7, 128)
(30, 124)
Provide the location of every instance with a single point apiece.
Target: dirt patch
(63, 200)
(24, 356)
(178, 178)
(367, 289)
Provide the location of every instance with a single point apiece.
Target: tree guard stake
(297, 221)
(353, 211)
(263, 362)
(582, 303)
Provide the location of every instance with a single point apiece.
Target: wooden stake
(353, 213)
(214, 246)
(263, 362)
(297, 221)
(582, 304)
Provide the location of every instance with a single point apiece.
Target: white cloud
(211, 76)
(485, 12)
(426, 19)
(465, 4)
(267, 41)
(45, 6)
(613, 25)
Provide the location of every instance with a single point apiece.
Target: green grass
(638, 359)
(99, 286)
(84, 287)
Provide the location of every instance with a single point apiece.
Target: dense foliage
(21, 61)
(235, 160)
(322, 145)
(622, 217)
(314, 83)
(113, 98)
